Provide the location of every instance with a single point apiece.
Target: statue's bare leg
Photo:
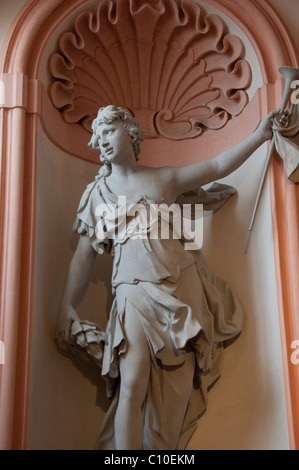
(134, 375)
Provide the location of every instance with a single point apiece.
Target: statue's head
(112, 113)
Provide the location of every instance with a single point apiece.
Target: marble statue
(171, 315)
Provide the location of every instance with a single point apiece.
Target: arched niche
(27, 103)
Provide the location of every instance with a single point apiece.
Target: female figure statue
(171, 315)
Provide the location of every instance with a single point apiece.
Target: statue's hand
(265, 126)
(283, 118)
(66, 315)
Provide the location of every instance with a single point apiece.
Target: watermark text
(151, 220)
(295, 353)
(295, 94)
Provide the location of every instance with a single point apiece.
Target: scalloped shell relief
(174, 67)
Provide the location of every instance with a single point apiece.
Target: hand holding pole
(290, 74)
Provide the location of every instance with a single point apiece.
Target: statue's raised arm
(192, 176)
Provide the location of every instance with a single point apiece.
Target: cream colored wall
(247, 406)
(66, 397)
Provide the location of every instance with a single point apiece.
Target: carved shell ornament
(173, 66)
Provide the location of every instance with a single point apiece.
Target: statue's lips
(108, 151)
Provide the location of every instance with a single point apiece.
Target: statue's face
(115, 143)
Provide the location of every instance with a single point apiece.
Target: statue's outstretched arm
(192, 176)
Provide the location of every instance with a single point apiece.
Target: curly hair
(112, 113)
